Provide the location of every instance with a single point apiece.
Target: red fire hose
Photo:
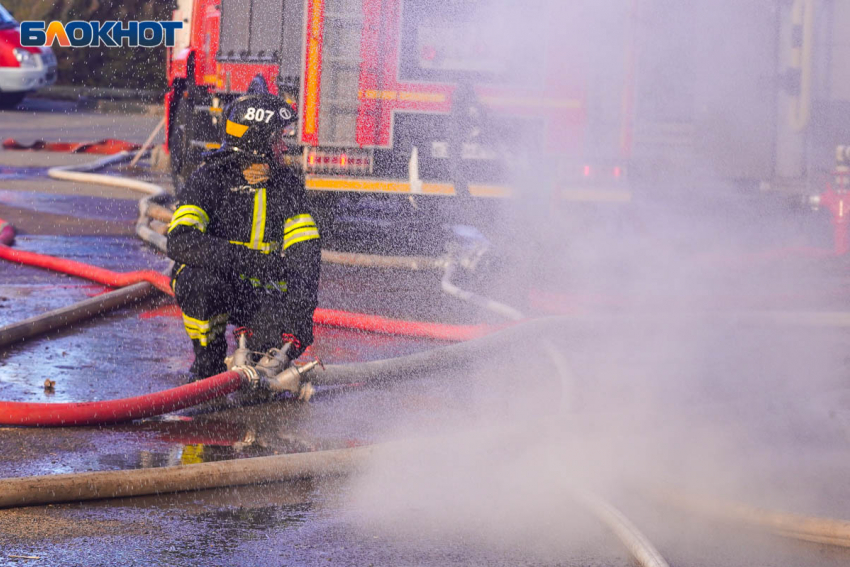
(122, 410)
(418, 329)
(86, 271)
(108, 146)
(327, 317)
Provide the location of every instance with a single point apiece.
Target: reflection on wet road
(8, 172)
(93, 208)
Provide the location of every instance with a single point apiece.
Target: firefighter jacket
(261, 234)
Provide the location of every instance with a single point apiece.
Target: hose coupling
(275, 361)
(249, 374)
(292, 380)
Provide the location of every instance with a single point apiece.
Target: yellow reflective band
(234, 129)
(204, 325)
(301, 230)
(205, 331)
(195, 322)
(297, 226)
(255, 282)
(300, 236)
(192, 209)
(189, 215)
(174, 279)
(204, 339)
(292, 221)
(258, 226)
(309, 229)
(190, 221)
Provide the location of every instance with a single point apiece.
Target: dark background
(117, 67)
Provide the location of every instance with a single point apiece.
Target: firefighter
(246, 248)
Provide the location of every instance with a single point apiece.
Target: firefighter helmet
(256, 123)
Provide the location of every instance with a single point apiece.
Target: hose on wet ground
(86, 486)
(79, 487)
(108, 412)
(640, 548)
(805, 528)
(436, 360)
(85, 174)
(86, 271)
(451, 289)
(375, 372)
(81, 311)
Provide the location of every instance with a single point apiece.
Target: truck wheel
(11, 100)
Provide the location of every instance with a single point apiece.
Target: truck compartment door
(251, 30)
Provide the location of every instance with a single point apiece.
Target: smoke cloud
(685, 361)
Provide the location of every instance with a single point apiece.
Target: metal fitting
(250, 374)
(241, 356)
(275, 361)
(290, 380)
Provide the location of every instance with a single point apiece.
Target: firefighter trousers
(210, 299)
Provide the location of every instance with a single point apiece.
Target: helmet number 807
(259, 115)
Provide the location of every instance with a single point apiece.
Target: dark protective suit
(248, 254)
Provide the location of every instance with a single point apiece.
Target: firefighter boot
(209, 359)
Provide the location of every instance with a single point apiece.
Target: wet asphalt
(684, 390)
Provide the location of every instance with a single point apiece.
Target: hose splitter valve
(275, 371)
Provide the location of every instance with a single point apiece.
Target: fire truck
(409, 97)
(560, 101)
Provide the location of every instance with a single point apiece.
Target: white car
(22, 69)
